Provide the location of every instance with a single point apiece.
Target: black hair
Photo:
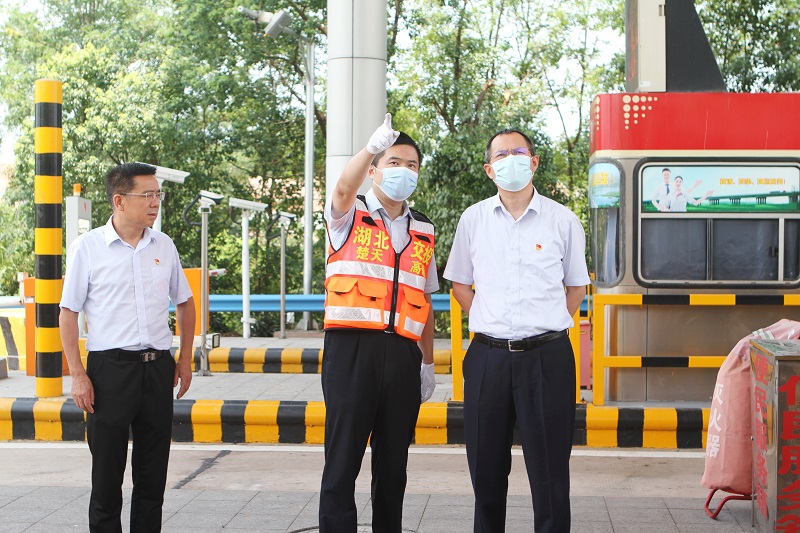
(403, 138)
(507, 131)
(120, 179)
(666, 170)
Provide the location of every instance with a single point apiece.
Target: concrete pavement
(245, 488)
(44, 486)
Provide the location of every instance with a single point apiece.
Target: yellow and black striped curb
(282, 360)
(297, 422)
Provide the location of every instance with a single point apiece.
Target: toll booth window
(605, 241)
(718, 224)
(674, 249)
(745, 250)
(791, 250)
(605, 246)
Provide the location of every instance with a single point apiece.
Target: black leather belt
(138, 356)
(520, 345)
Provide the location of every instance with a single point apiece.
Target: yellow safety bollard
(456, 343)
(47, 98)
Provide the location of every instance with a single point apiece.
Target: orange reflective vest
(369, 286)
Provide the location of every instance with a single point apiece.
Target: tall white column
(357, 31)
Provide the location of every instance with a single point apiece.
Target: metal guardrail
(10, 301)
(294, 302)
(602, 360)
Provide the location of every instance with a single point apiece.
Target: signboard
(724, 124)
(604, 185)
(774, 379)
(670, 188)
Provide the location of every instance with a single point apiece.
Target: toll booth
(694, 230)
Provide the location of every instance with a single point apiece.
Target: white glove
(383, 137)
(428, 381)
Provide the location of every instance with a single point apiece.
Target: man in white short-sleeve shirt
(122, 276)
(524, 254)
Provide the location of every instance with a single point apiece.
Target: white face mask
(513, 172)
(398, 182)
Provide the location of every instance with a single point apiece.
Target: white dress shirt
(124, 292)
(339, 230)
(661, 194)
(676, 201)
(519, 267)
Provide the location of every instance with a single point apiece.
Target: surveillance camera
(288, 216)
(247, 204)
(169, 174)
(279, 22)
(262, 17)
(211, 197)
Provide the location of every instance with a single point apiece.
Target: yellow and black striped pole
(47, 197)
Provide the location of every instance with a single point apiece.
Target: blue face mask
(513, 173)
(398, 183)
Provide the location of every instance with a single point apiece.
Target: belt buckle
(510, 349)
(148, 356)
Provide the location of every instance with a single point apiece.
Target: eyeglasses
(149, 196)
(521, 150)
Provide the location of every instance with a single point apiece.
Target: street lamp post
(277, 23)
(207, 200)
(308, 221)
(249, 209)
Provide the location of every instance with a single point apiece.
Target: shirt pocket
(160, 282)
(545, 261)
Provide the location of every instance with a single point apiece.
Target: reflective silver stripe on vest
(362, 206)
(355, 314)
(358, 268)
(364, 314)
(422, 227)
(412, 280)
(414, 327)
(371, 270)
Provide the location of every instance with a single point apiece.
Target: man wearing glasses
(524, 254)
(122, 276)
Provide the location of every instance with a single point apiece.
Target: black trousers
(536, 390)
(130, 398)
(371, 383)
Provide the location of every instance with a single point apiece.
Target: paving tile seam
(300, 514)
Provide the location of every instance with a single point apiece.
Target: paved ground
(44, 487)
(240, 386)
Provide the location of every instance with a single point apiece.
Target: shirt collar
(111, 234)
(374, 205)
(535, 204)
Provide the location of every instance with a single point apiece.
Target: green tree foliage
(194, 85)
(473, 68)
(756, 42)
(188, 85)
